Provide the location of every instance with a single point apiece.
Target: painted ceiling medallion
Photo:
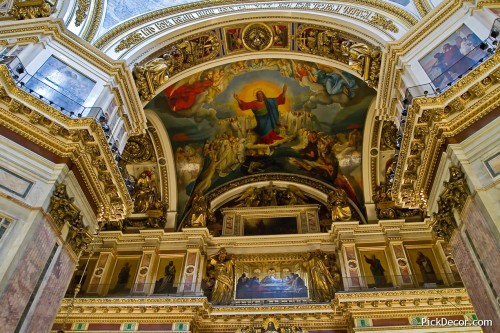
(257, 37)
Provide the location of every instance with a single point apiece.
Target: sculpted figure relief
(145, 193)
(321, 282)
(338, 205)
(222, 267)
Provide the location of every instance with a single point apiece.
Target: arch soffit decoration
(381, 20)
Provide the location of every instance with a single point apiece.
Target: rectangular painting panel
(425, 266)
(123, 276)
(376, 268)
(168, 275)
(453, 57)
(270, 280)
(270, 226)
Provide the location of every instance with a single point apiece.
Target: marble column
(101, 276)
(401, 264)
(144, 280)
(351, 264)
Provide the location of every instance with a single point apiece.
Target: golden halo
(268, 320)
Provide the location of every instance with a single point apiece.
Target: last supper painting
(265, 116)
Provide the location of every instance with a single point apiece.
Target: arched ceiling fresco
(265, 116)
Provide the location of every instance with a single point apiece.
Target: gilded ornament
(22, 10)
(338, 204)
(453, 196)
(386, 24)
(62, 209)
(389, 134)
(153, 74)
(257, 37)
(82, 11)
(64, 212)
(130, 40)
(138, 149)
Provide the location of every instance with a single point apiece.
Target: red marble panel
(482, 235)
(484, 306)
(390, 322)
(104, 327)
(155, 327)
(52, 294)
(17, 292)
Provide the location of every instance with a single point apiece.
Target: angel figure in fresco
(266, 114)
(184, 97)
(328, 85)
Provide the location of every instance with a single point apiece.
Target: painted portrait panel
(265, 116)
(453, 57)
(123, 276)
(270, 280)
(168, 275)
(425, 266)
(375, 268)
(270, 226)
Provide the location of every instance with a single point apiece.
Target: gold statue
(200, 210)
(145, 192)
(321, 282)
(222, 265)
(338, 205)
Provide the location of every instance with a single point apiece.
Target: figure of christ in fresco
(266, 114)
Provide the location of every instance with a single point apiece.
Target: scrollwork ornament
(386, 24)
(127, 42)
(82, 11)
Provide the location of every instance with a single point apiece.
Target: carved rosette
(257, 37)
(138, 149)
(454, 195)
(23, 10)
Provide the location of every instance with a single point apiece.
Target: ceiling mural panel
(264, 116)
